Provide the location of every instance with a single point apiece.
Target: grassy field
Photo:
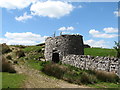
(12, 80)
(32, 48)
(99, 52)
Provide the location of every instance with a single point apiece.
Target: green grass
(99, 52)
(32, 48)
(104, 85)
(35, 64)
(12, 80)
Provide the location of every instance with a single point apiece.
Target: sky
(30, 22)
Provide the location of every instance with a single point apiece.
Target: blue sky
(31, 23)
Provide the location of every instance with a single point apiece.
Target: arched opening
(55, 57)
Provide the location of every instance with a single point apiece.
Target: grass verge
(12, 80)
(104, 85)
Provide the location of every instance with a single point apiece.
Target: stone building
(59, 46)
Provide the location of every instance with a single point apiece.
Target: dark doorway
(55, 57)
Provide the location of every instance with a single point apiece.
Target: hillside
(27, 62)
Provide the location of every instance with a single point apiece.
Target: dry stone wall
(110, 64)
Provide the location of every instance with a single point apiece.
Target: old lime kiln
(59, 46)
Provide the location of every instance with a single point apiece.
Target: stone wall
(63, 45)
(110, 64)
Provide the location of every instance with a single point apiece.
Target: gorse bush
(54, 70)
(69, 73)
(20, 53)
(78, 76)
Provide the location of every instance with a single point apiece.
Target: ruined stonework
(63, 45)
(109, 64)
(69, 49)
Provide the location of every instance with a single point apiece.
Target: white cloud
(93, 31)
(66, 33)
(24, 17)
(66, 28)
(52, 9)
(15, 4)
(62, 29)
(3, 40)
(70, 28)
(93, 43)
(27, 38)
(110, 30)
(79, 6)
(117, 13)
(98, 34)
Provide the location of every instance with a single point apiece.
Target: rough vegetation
(77, 76)
(55, 70)
(6, 67)
(106, 76)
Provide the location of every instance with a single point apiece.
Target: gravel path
(36, 79)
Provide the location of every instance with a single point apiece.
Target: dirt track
(36, 79)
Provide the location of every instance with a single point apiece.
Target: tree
(117, 48)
